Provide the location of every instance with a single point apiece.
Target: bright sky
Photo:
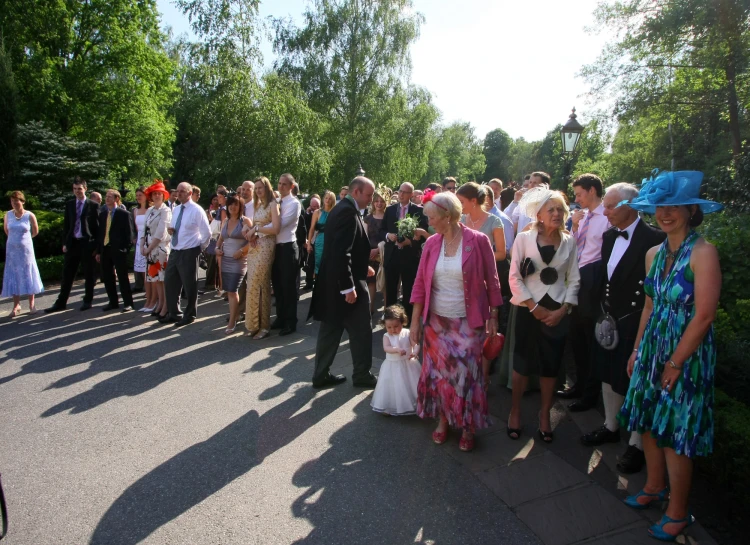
(508, 64)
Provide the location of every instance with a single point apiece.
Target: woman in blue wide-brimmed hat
(671, 393)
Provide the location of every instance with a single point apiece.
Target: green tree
(676, 60)
(497, 154)
(456, 152)
(96, 70)
(351, 59)
(48, 162)
(8, 121)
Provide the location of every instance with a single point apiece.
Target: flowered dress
(683, 419)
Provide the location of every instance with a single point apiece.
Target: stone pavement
(120, 431)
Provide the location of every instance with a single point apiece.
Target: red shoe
(466, 445)
(439, 437)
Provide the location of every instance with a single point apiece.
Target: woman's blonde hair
(445, 204)
(268, 195)
(541, 202)
(328, 196)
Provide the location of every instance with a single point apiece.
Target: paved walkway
(121, 431)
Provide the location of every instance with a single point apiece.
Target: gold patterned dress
(259, 263)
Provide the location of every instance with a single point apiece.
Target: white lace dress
(396, 392)
(139, 264)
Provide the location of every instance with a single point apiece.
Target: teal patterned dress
(683, 419)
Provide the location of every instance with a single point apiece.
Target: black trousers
(112, 261)
(359, 328)
(583, 320)
(404, 268)
(284, 275)
(80, 252)
(182, 273)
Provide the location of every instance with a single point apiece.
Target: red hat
(157, 186)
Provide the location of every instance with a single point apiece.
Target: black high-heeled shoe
(511, 431)
(547, 436)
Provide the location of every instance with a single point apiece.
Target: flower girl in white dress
(396, 392)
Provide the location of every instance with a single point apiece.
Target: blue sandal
(632, 501)
(657, 530)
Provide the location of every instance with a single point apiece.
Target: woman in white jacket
(544, 281)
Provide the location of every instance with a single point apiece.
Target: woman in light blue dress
(21, 275)
(317, 227)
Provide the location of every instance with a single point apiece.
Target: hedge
(48, 242)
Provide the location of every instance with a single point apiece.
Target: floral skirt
(452, 383)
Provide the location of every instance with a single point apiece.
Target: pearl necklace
(23, 212)
(447, 244)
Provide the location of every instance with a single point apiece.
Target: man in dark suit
(619, 292)
(80, 231)
(401, 257)
(340, 298)
(115, 240)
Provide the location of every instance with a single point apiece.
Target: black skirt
(538, 349)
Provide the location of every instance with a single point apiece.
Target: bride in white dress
(396, 392)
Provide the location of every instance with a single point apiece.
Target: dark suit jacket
(346, 255)
(624, 294)
(89, 222)
(120, 231)
(408, 253)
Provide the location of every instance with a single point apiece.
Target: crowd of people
(457, 265)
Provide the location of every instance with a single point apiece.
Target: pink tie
(403, 212)
(581, 243)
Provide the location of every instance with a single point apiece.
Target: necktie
(581, 243)
(403, 212)
(623, 234)
(79, 209)
(106, 232)
(177, 226)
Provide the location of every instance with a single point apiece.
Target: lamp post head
(360, 170)
(571, 134)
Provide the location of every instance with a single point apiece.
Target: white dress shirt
(194, 229)
(618, 250)
(250, 209)
(290, 211)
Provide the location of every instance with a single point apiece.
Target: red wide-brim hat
(158, 186)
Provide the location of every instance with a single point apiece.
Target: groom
(340, 298)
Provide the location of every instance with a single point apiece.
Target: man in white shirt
(190, 235)
(286, 261)
(520, 221)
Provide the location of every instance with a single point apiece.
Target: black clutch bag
(527, 267)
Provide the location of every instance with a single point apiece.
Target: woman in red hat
(155, 246)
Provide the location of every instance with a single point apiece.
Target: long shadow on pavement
(185, 480)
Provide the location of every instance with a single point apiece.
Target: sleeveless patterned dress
(683, 419)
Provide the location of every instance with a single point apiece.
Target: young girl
(396, 392)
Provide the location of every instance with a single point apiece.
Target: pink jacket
(481, 285)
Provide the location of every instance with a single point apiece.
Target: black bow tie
(623, 234)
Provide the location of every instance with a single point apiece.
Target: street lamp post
(570, 134)
(360, 170)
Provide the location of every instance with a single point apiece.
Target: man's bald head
(361, 189)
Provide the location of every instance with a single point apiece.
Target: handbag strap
(3, 513)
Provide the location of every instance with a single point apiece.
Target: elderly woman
(231, 247)
(671, 393)
(544, 281)
(21, 274)
(155, 246)
(456, 295)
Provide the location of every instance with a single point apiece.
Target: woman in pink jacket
(456, 296)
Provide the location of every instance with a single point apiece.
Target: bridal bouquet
(406, 227)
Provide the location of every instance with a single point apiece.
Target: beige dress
(157, 221)
(259, 262)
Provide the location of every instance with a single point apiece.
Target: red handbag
(493, 346)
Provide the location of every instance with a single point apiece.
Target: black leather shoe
(168, 319)
(601, 436)
(127, 308)
(632, 461)
(580, 406)
(328, 381)
(185, 321)
(369, 381)
(85, 306)
(569, 393)
(287, 331)
(277, 324)
(54, 308)
(110, 306)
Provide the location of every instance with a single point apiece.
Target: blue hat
(672, 189)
